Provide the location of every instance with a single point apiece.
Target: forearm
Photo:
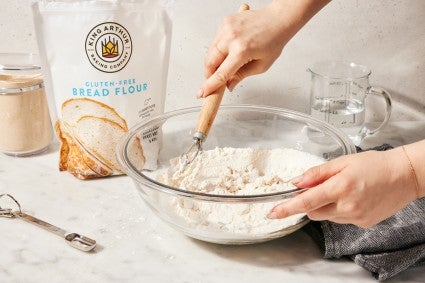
(296, 13)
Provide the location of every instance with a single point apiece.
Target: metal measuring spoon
(75, 240)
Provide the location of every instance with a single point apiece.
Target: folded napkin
(385, 249)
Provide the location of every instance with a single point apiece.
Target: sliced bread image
(135, 153)
(89, 132)
(74, 159)
(64, 147)
(98, 168)
(99, 136)
(75, 108)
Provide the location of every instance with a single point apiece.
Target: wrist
(300, 10)
(292, 15)
(412, 170)
(400, 173)
(415, 155)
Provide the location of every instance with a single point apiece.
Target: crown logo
(110, 48)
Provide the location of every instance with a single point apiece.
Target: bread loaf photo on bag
(89, 132)
(74, 109)
(74, 159)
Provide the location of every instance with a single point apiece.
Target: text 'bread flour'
(106, 65)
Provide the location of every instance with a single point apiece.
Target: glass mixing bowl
(237, 126)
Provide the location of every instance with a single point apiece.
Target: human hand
(247, 43)
(361, 189)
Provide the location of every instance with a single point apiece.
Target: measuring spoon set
(75, 240)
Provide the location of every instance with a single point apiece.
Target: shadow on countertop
(292, 250)
(297, 253)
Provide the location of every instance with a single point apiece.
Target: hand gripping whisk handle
(210, 106)
(206, 118)
(208, 112)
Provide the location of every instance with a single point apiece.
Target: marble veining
(136, 246)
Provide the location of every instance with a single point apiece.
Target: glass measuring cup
(337, 96)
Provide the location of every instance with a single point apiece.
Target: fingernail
(200, 93)
(297, 179)
(272, 215)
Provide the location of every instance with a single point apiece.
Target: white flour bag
(105, 68)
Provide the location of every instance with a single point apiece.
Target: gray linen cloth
(385, 249)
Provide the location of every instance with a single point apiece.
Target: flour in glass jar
(237, 171)
(25, 127)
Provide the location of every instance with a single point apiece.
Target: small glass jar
(25, 126)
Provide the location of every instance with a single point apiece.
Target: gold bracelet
(412, 172)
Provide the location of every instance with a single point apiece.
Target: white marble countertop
(136, 246)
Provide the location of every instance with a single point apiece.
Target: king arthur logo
(108, 47)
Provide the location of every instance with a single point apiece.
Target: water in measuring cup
(346, 114)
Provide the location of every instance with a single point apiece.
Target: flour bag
(105, 66)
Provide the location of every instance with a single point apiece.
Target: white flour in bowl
(237, 171)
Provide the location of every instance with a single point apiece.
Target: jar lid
(16, 83)
(18, 67)
(14, 63)
(19, 72)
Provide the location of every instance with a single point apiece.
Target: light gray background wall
(386, 35)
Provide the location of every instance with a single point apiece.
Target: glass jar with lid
(25, 126)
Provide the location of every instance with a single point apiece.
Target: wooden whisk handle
(209, 111)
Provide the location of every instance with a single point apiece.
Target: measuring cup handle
(382, 92)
